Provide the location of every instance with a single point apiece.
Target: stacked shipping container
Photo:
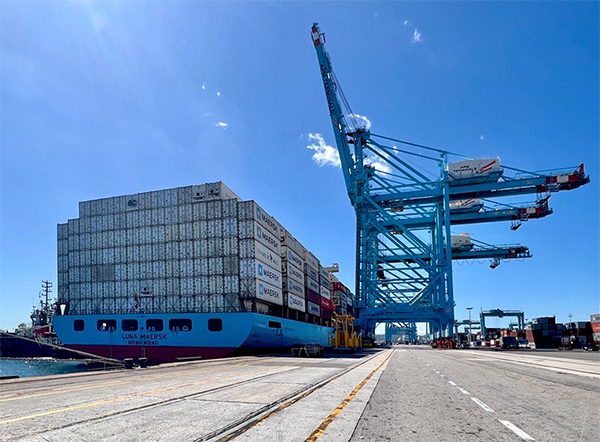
(190, 249)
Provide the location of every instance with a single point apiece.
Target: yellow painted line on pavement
(335, 413)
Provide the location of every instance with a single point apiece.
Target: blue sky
(101, 99)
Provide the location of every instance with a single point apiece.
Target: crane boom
(335, 111)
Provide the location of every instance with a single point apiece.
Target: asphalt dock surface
(404, 393)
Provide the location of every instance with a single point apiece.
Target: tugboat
(38, 339)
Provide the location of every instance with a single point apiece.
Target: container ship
(189, 272)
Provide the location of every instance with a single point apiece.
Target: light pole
(469, 309)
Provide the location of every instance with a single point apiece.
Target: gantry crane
(405, 331)
(404, 216)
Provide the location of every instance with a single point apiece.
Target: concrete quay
(404, 393)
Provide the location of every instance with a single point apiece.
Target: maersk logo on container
(292, 257)
(268, 220)
(267, 274)
(268, 293)
(267, 238)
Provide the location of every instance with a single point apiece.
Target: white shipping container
(254, 288)
(200, 229)
(186, 268)
(173, 286)
(63, 279)
(215, 266)
(74, 275)
(216, 285)
(185, 232)
(230, 208)
(230, 246)
(324, 282)
(250, 210)
(250, 248)
(200, 248)
(185, 213)
(267, 238)
(312, 273)
(473, 169)
(63, 263)
(214, 209)
(296, 302)
(230, 227)
(231, 265)
(252, 268)
(312, 284)
(173, 268)
(187, 286)
(292, 243)
(313, 308)
(215, 226)
(291, 286)
(171, 233)
(232, 285)
(202, 285)
(461, 242)
(219, 191)
(325, 293)
(85, 209)
(324, 274)
(292, 272)
(201, 267)
(199, 211)
(184, 195)
(62, 230)
(292, 257)
(312, 261)
(215, 247)
(171, 215)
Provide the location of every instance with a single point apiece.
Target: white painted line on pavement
(516, 430)
(452, 383)
(463, 391)
(482, 405)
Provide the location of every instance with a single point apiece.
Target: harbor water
(29, 367)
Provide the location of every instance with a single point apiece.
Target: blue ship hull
(168, 337)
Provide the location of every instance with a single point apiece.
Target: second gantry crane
(404, 243)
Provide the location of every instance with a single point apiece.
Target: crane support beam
(482, 216)
(508, 252)
(510, 187)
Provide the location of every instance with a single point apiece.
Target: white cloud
(218, 94)
(407, 23)
(203, 86)
(324, 155)
(416, 38)
(363, 122)
(482, 137)
(378, 165)
(222, 124)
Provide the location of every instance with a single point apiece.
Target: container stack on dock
(189, 249)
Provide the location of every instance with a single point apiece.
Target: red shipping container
(313, 296)
(326, 304)
(339, 286)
